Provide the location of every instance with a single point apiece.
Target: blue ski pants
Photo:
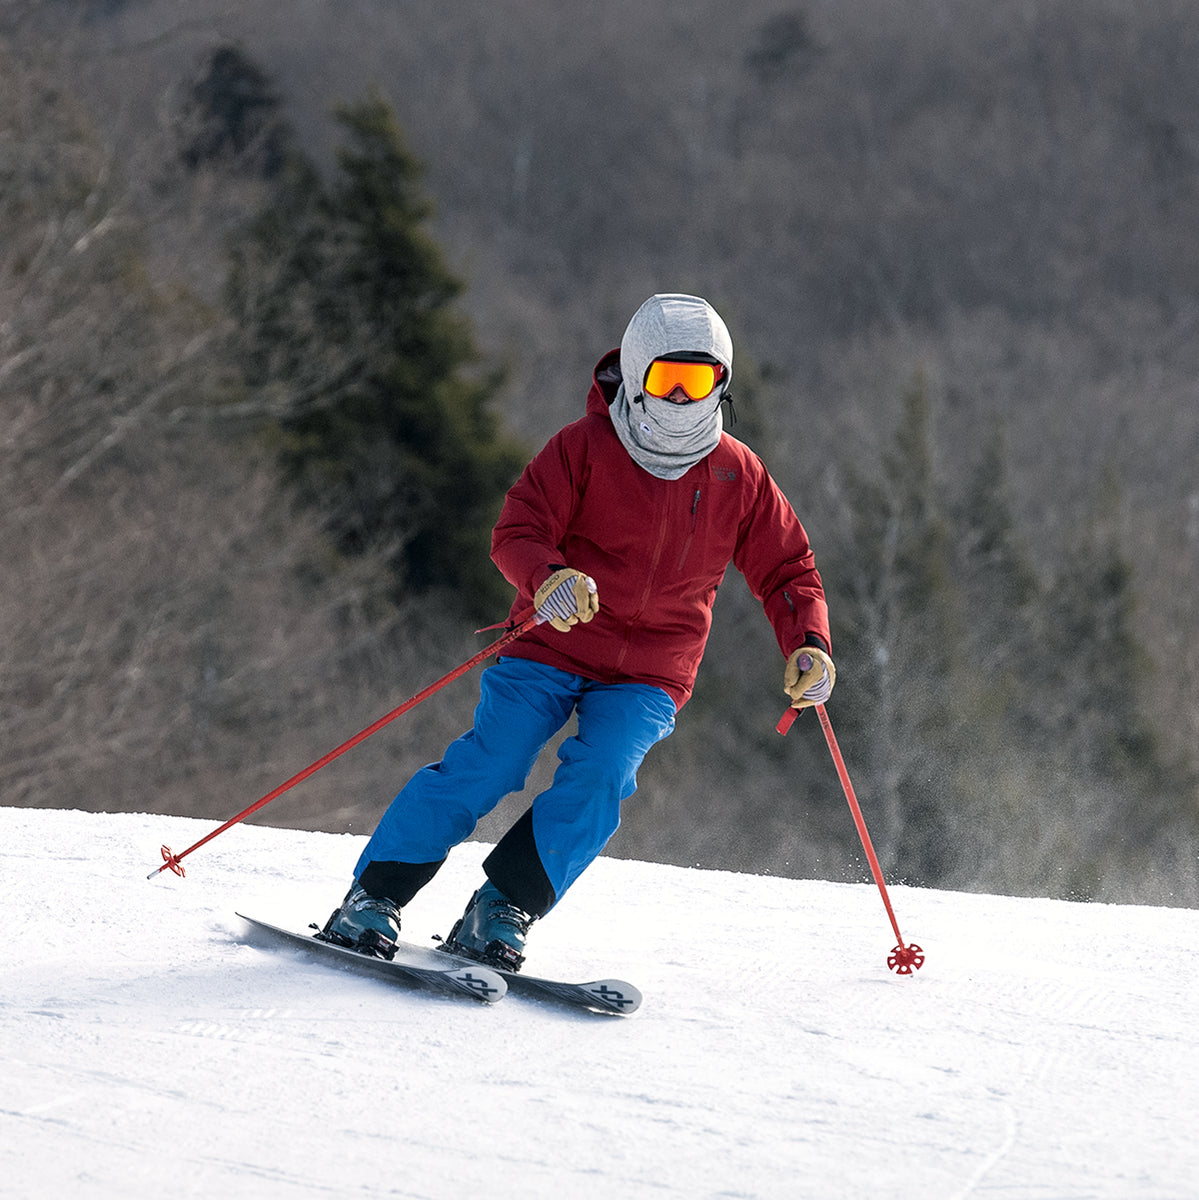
(522, 705)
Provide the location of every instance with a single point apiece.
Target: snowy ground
(1046, 1049)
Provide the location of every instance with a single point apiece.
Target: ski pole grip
(804, 663)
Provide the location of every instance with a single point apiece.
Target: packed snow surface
(150, 1047)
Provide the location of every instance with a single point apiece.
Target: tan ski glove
(566, 598)
(810, 684)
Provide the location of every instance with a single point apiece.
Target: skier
(617, 535)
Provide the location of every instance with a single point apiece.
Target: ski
(598, 995)
(445, 971)
(412, 964)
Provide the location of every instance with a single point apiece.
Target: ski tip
(614, 996)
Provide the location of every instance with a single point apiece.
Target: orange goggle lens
(697, 379)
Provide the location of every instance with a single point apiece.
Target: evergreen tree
(1095, 661)
(993, 555)
(350, 340)
(234, 115)
(1000, 588)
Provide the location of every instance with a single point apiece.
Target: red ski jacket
(656, 548)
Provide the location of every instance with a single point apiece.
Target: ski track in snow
(1045, 1050)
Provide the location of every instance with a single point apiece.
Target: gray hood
(668, 439)
(672, 324)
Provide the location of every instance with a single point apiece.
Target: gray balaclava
(669, 439)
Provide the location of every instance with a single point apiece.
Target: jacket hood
(605, 383)
(672, 323)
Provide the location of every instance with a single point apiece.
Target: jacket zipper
(659, 546)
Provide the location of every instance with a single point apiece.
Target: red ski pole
(903, 959)
(171, 859)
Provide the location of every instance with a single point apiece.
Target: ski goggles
(698, 379)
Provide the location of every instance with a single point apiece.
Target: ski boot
(364, 922)
(491, 931)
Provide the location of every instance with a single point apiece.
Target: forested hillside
(956, 248)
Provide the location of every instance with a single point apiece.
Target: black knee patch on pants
(396, 880)
(515, 867)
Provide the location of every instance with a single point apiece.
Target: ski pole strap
(788, 718)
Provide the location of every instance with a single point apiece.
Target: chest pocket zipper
(691, 529)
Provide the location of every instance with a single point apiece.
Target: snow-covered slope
(1045, 1050)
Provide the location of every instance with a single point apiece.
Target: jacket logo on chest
(725, 474)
